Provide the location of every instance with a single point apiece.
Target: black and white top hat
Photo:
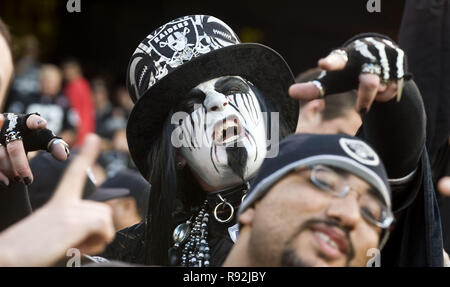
(185, 52)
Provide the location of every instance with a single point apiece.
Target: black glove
(366, 53)
(15, 128)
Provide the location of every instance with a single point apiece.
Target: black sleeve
(397, 131)
(14, 204)
(128, 245)
(425, 38)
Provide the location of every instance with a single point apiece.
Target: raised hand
(66, 221)
(372, 64)
(20, 134)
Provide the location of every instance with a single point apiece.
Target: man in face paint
(223, 136)
(197, 133)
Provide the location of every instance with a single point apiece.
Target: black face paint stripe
(254, 107)
(254, 112)
(205, 111)
(234, 100)
(254, 142)
(199, 122)
(250, 106)
(234, 107)
(212, 160)
(243, 99)
(194, 132)
(184, 136)
(184, 127)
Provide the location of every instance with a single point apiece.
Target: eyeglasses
(373, 209)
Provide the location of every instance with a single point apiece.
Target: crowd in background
(72, 104)
(75, 106)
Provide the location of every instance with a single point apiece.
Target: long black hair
(172, 192)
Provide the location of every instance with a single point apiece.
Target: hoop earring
(224, 203)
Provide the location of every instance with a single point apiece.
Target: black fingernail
(27, 180)
(40, 122)
(17, 179)
(363, 111)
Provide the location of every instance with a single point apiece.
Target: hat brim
(259, 64)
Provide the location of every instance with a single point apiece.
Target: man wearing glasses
(323, 201)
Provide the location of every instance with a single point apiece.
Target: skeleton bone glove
(15, 128)
(365, 53)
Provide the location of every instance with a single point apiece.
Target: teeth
(222, 129)
(230, 139)
(229, 124)
(327, 239)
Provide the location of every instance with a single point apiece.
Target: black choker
(194, 234)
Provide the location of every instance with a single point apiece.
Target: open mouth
(227, 130)
(332, 241)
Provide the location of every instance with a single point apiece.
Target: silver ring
(370, 68)
(53, 142)
(229, 217)
(340, 52)
(12, 136)
(319, 87)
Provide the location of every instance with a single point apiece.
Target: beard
(237, 160)
(290, 259)
(290, 256)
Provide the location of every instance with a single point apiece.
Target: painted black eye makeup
(230, 86)
(195, 96)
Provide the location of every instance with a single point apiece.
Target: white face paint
(224, 136)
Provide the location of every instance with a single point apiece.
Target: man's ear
(246, 218)
(313, 109)
(310, 116)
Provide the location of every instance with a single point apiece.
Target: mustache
(290, 259)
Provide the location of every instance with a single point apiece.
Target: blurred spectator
(26, 80)
(118, 157)
(124, 101)
(131, 208)
(79, 94)
(107, 118)
(111, 126)
(50, 104)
